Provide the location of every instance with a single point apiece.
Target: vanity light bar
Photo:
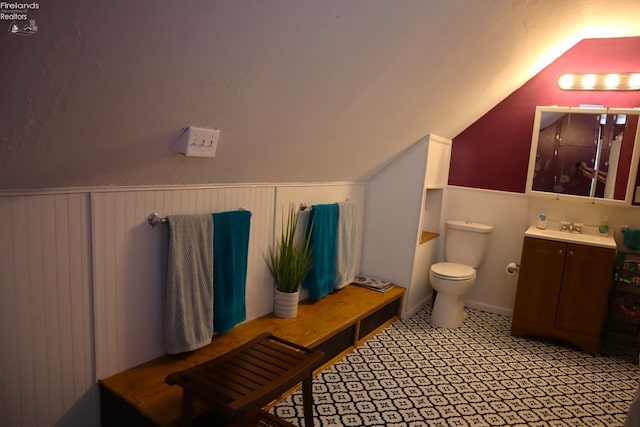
(612, 81)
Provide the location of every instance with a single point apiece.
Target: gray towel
(188, 311)
(346, 244)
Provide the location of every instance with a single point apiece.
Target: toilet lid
(453, 271)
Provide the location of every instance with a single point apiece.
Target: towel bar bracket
(154, 219)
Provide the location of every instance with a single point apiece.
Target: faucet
(569, 227)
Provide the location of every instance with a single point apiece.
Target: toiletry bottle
(542, 221)
(604, 226)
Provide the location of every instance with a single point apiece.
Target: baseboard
(410, 311)
(489, 308)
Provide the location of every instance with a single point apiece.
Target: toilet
(465, 247)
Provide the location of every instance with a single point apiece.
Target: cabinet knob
(560, 252)
(570, 252)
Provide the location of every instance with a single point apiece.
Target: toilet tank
(466, 242)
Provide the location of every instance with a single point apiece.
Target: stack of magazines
(371, 283)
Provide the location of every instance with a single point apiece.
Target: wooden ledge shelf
(425, 236)
(336, 324)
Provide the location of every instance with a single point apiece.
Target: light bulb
(612, 81)
(566, 81)
(588, 81)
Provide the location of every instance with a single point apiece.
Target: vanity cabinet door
(539, 283)
(562, 292)
(587, 278)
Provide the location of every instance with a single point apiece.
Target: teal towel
(188, 297)
(631, 238)
(323, 226)
(230, 250)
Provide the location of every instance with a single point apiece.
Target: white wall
(393, 206)
(511, 214)
(494, 290)
(80, 284)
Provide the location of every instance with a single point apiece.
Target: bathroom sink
(589, 236)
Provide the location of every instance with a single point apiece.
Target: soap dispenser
(542, 221)
(604, 227)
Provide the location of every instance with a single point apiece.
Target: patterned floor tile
(412, 375)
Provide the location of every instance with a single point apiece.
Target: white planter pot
(286, 304)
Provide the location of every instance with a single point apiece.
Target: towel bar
(154, 218)
(304, 206)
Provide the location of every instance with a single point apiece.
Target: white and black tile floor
(412, 374)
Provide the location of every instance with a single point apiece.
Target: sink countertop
(589, 236)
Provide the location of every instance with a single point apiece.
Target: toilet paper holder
(512, 268)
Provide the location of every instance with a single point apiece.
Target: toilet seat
(453, 271)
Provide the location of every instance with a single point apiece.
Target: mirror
(584, 152)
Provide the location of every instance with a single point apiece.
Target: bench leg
(187, 408)
(307, 401)
(250, 419)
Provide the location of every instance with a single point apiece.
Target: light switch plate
(198, 142)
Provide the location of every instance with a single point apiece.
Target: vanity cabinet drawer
(562, 292)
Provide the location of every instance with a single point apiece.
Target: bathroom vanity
(563, 286)
(578, 154)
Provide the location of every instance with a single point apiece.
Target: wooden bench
(335, 325)
(238, 384)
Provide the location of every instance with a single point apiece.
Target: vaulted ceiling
(326, 90)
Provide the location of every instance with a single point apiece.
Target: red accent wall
(493, 153)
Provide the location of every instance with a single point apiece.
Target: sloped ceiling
(326, 90)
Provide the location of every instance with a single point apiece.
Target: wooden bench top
(144, 387)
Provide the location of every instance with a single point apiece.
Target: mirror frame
(631, 182)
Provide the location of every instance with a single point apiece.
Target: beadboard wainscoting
(46, 350)
(128, 260)
(81, 284)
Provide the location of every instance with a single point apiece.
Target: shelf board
(425, 236)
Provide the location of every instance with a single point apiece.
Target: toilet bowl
(452, 281)
(466, 244)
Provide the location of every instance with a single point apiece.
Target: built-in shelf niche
(431, 209)
(404, 199)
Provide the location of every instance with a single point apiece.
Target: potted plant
(289, 262)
